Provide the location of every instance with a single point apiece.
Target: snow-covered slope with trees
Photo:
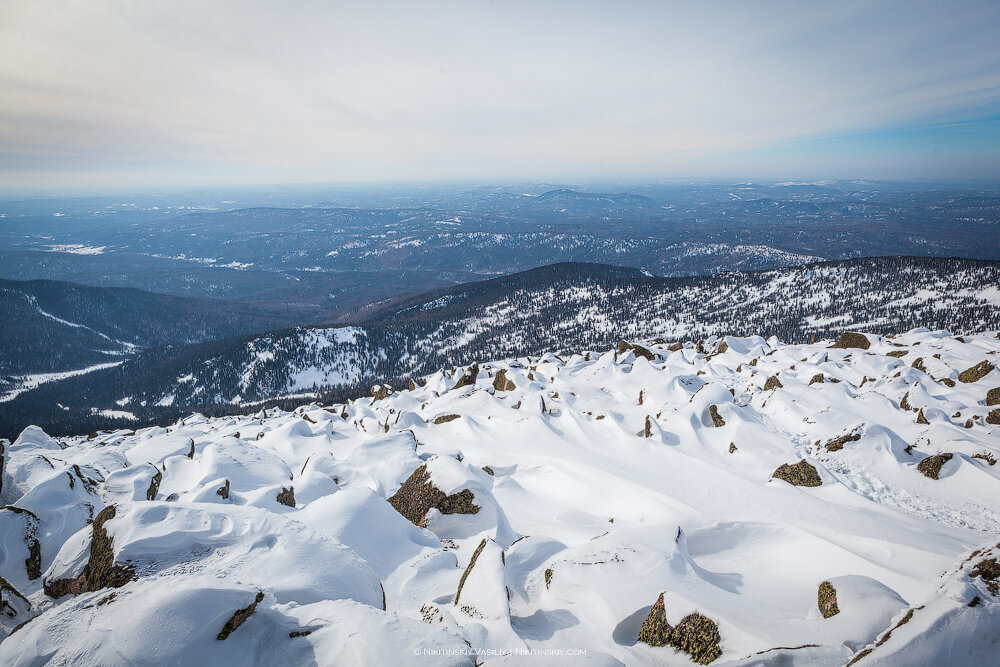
(747, 502)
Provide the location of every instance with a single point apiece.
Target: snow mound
(546, 508)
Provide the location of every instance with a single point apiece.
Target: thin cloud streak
(100, 91)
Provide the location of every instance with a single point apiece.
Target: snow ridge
(549, 502)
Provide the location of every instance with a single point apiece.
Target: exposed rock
(649, 427)
(931, 466)
(818, 378)
(986, 456)
(921, 419)
(101, 570)
(675, 347)
(993, 417)
(698, 636)
(238, 618)
(716, 417)
(190, 454)
(286, 496)
(381, 391)
(772, 383)
(827, 600)
(799, 474)
(418, 495)
(993, 396)
(488, 470)
(732, 448)
(412, 386)
(468, 570)
(839, 442)
(444, 419)
(918, 364)
(897, 353)
(639, 350)
(656, 631)
(223, 491)
(548, 577)
(154, 486)
(862, 653)
(989, 570)
(977, 372)
(468, 378)
(851, 339)
(948, 382)
(502, 383)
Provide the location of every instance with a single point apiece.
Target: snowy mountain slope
(775, 495)
(562, 308)
(51, 327)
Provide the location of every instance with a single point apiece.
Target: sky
(96, 94)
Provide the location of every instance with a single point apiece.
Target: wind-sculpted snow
(535, 520)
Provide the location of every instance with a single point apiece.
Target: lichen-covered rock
(101, 570)
(931, 466)
(993, 396)
(772, 383)
(639, 350)
(468, 570)
(154, 486)
(993, 417)
(827, 600)
(839, 442)
(648, 432)
(444, 419)
(548, 577)
(918, 364)
(977, 372)
(852, 340)
(989, 570)
(468, 378)
(238, 618)
(656, 631)
(502, 383)
(716, 417)
(698, 636)
(418, 495)
(897, 353)
(381, 391)
(286, 496)
(816, 379)
(921, 419)
(799, 474)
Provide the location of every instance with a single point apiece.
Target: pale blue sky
(98, 93)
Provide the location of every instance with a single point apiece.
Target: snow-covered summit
(728, 499)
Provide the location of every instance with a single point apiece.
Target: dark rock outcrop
(931, 466)
(827, 600)
(101, 570)
(799, 474)
(239, 617)
(418, 495)
(852, 340)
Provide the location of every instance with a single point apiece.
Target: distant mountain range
(561, 308)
